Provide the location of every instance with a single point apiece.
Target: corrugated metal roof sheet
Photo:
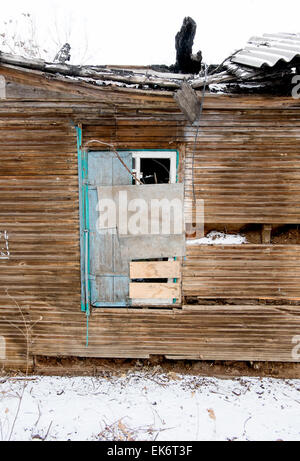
(268, 50)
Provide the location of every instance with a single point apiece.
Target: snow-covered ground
(149, 406)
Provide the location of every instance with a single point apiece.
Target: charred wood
(186, 62)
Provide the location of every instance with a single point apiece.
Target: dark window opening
(155, 171)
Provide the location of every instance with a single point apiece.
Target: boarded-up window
(129, 222)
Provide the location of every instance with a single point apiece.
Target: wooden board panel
(245, 166)
(155, 269)
(154, 290)
(239, 332)
(149, 218)
(109, 270)
(242, 271)
(39, 211)
(152, 246)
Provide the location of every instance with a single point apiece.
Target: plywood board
(155, 269)
(154, 290)
(145, 209)
(152, 246)
(149, 219)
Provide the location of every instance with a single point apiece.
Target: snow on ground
(218, 238)
(149, 406)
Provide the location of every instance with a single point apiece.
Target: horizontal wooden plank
(154, 290)
(242, 175)
(155, 269)
(239, 171)
(242, 271)
(239, 332)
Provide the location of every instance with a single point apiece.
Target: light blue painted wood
(109, 273)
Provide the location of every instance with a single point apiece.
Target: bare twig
(26, 330)
(47, 433)
(17, 412)
(245, 423)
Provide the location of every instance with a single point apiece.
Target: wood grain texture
(39, 211)
(155, 269)
(258, 333)
(145, 290)
(242, 271)
(247, 169)
(246, 166)
(246, 163)
(15, 320)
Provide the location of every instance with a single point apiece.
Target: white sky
(143, 32)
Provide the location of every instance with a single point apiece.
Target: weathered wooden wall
(199, 332)
(246, 165)
(242, 271)
(39, 209)
(15, 347)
